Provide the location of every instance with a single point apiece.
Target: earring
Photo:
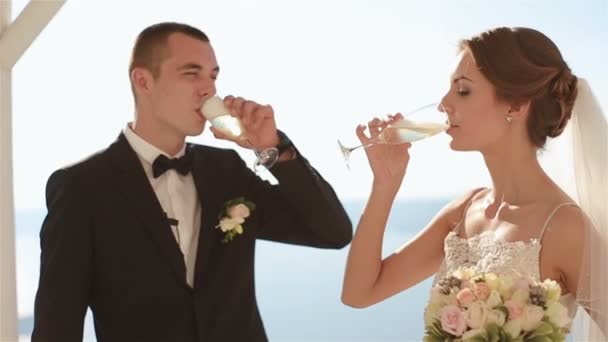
(508, 117)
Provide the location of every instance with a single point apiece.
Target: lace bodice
(484, 253)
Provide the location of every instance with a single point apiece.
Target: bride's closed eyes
(462, 91)
(461, 88)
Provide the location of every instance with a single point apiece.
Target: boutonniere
(233, 216)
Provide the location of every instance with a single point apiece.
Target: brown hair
(525, 65)
(150, 48)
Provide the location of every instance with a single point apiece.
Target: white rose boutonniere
(233, 216)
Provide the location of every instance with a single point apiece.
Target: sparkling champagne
(228, 125)
(406, 131)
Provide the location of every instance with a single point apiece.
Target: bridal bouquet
(466, 306)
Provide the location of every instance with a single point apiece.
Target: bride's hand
(388, 161)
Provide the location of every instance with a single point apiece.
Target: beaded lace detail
(484, 253)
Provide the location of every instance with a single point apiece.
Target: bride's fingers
(383, 124)
(361, 134)
(374, 127)
(394, 118)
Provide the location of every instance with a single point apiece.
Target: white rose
(496, 316)
(505, 286)
(532, 316)
(494, 299)
(239, 211)
(492, 281)
(475, 316)
(464, 273)
(558, 314)
(227, 224)
(553, 290)
(513, 327)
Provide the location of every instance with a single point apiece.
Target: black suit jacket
(106, 244)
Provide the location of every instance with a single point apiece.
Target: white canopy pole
(15, 38)
(8, 284)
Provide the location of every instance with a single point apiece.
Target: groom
(132, 231)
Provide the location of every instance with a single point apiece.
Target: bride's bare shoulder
(564, 242)
(456, 209)
(568, 222)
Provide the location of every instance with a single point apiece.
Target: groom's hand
(257, 120)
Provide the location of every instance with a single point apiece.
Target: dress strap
(546, 225)
(456, 228)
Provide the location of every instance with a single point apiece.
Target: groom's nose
(206, 88)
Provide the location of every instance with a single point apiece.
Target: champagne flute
(216, 112)
(418, 124)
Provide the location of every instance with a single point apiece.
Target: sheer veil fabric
(590, 157)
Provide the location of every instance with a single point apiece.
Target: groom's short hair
(150, 48)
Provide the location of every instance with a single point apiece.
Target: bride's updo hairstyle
(525, 65)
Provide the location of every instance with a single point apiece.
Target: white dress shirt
(177, 196)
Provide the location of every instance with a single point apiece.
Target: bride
(510, 92)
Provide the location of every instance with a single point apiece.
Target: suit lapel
(207, 179)
(139, 195)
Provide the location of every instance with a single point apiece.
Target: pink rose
(522, 283)
(466, 284)
(466, 296)
(239, 210)
(515, 310)
(482, 290)
(452, 320)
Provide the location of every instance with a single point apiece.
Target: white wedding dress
(484, 253)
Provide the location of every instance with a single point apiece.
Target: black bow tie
(182, 164)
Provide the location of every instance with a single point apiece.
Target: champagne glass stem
(350, 149)
(346, 151)
(253, 148)
(266, 158)
(371, 142)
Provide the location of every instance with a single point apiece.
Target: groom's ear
(142, 80)
(520, 111)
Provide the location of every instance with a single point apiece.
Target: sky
(324, 65)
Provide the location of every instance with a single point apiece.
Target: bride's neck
(516, 176)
